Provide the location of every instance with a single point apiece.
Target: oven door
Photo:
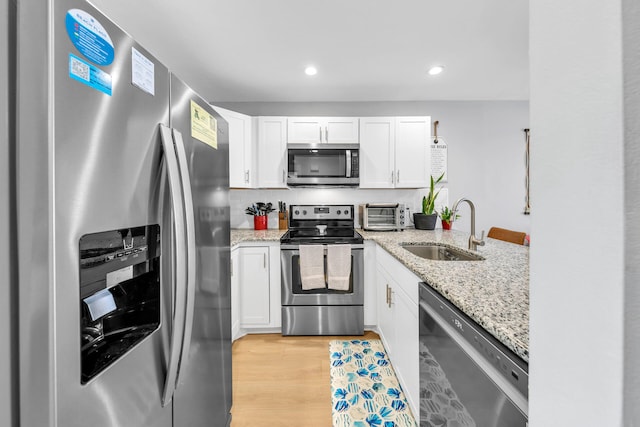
(457, 385)
(293, 294)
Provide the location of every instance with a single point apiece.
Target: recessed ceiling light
(436, 70)
(311, 71)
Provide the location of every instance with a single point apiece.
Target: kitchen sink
(441, 253)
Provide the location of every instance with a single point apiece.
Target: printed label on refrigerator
(142, 72)
(89, 74)
(204, 126)
(89, 37)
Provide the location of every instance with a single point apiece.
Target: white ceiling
(365, 50)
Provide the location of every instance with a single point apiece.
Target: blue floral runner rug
(364, 389)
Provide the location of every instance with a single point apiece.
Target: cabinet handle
(283, 176)
(246, 176)
(320, 130)
(390, 296)
(398, 176)
(393, 177)
(264, 260)
(326, 133)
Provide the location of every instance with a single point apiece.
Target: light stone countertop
(493, 292)
(251, 235)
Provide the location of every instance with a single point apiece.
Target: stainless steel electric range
(323, 310)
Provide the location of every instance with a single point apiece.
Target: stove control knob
(297, 212)
(346, 212)
(304, 212)
(339, 212)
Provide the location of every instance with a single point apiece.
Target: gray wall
(486, 153)
(631, 35)
(8, 390)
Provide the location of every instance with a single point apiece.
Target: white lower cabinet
(254, 286)
(257, 280)
(398, 322)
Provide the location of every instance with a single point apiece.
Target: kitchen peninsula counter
(493, 292)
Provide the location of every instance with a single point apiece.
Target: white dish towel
(312, 266)
(339, 266)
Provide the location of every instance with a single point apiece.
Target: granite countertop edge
(241, 235)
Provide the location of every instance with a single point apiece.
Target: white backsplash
(241, 199)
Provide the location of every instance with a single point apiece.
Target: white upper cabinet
(272, 152)
(394, 152)
(341, 130)
(377, 137)
(332, 130)
(241, 173)
(412, 152)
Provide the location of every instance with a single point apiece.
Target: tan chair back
(510, 236)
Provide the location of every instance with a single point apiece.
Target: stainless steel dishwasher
(467, 377)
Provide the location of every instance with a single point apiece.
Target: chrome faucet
(473, 241)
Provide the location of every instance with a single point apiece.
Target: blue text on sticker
(90, 75)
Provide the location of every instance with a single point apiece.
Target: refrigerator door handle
(191, 251)
(177, 328)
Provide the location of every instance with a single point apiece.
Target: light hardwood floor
(283, 381)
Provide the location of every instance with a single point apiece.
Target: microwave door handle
(348, 153)
(191, 252)
(178, 276)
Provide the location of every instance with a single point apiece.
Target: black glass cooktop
(314, 236)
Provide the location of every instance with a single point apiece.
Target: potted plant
(447, 216)
(259, 211)
(427, 219)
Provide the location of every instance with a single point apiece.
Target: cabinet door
(412, 164)
(254, 286)
(377, 135)
(235, 294)
(385, 320)
(341, 130)
(272, 152)
(240, 153)
(406, 356)
(304, 130)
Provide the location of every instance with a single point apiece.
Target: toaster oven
(384, 216)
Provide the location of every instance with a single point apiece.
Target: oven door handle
(288, 247)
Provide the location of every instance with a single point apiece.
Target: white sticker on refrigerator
(204, 126)
(89, 37)
(142, 72)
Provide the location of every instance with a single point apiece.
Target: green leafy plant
(429, 201)
(259, 209)
(446, 215)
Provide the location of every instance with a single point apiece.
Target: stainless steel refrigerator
(118, 247)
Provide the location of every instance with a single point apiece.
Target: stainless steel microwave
(323, 165)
